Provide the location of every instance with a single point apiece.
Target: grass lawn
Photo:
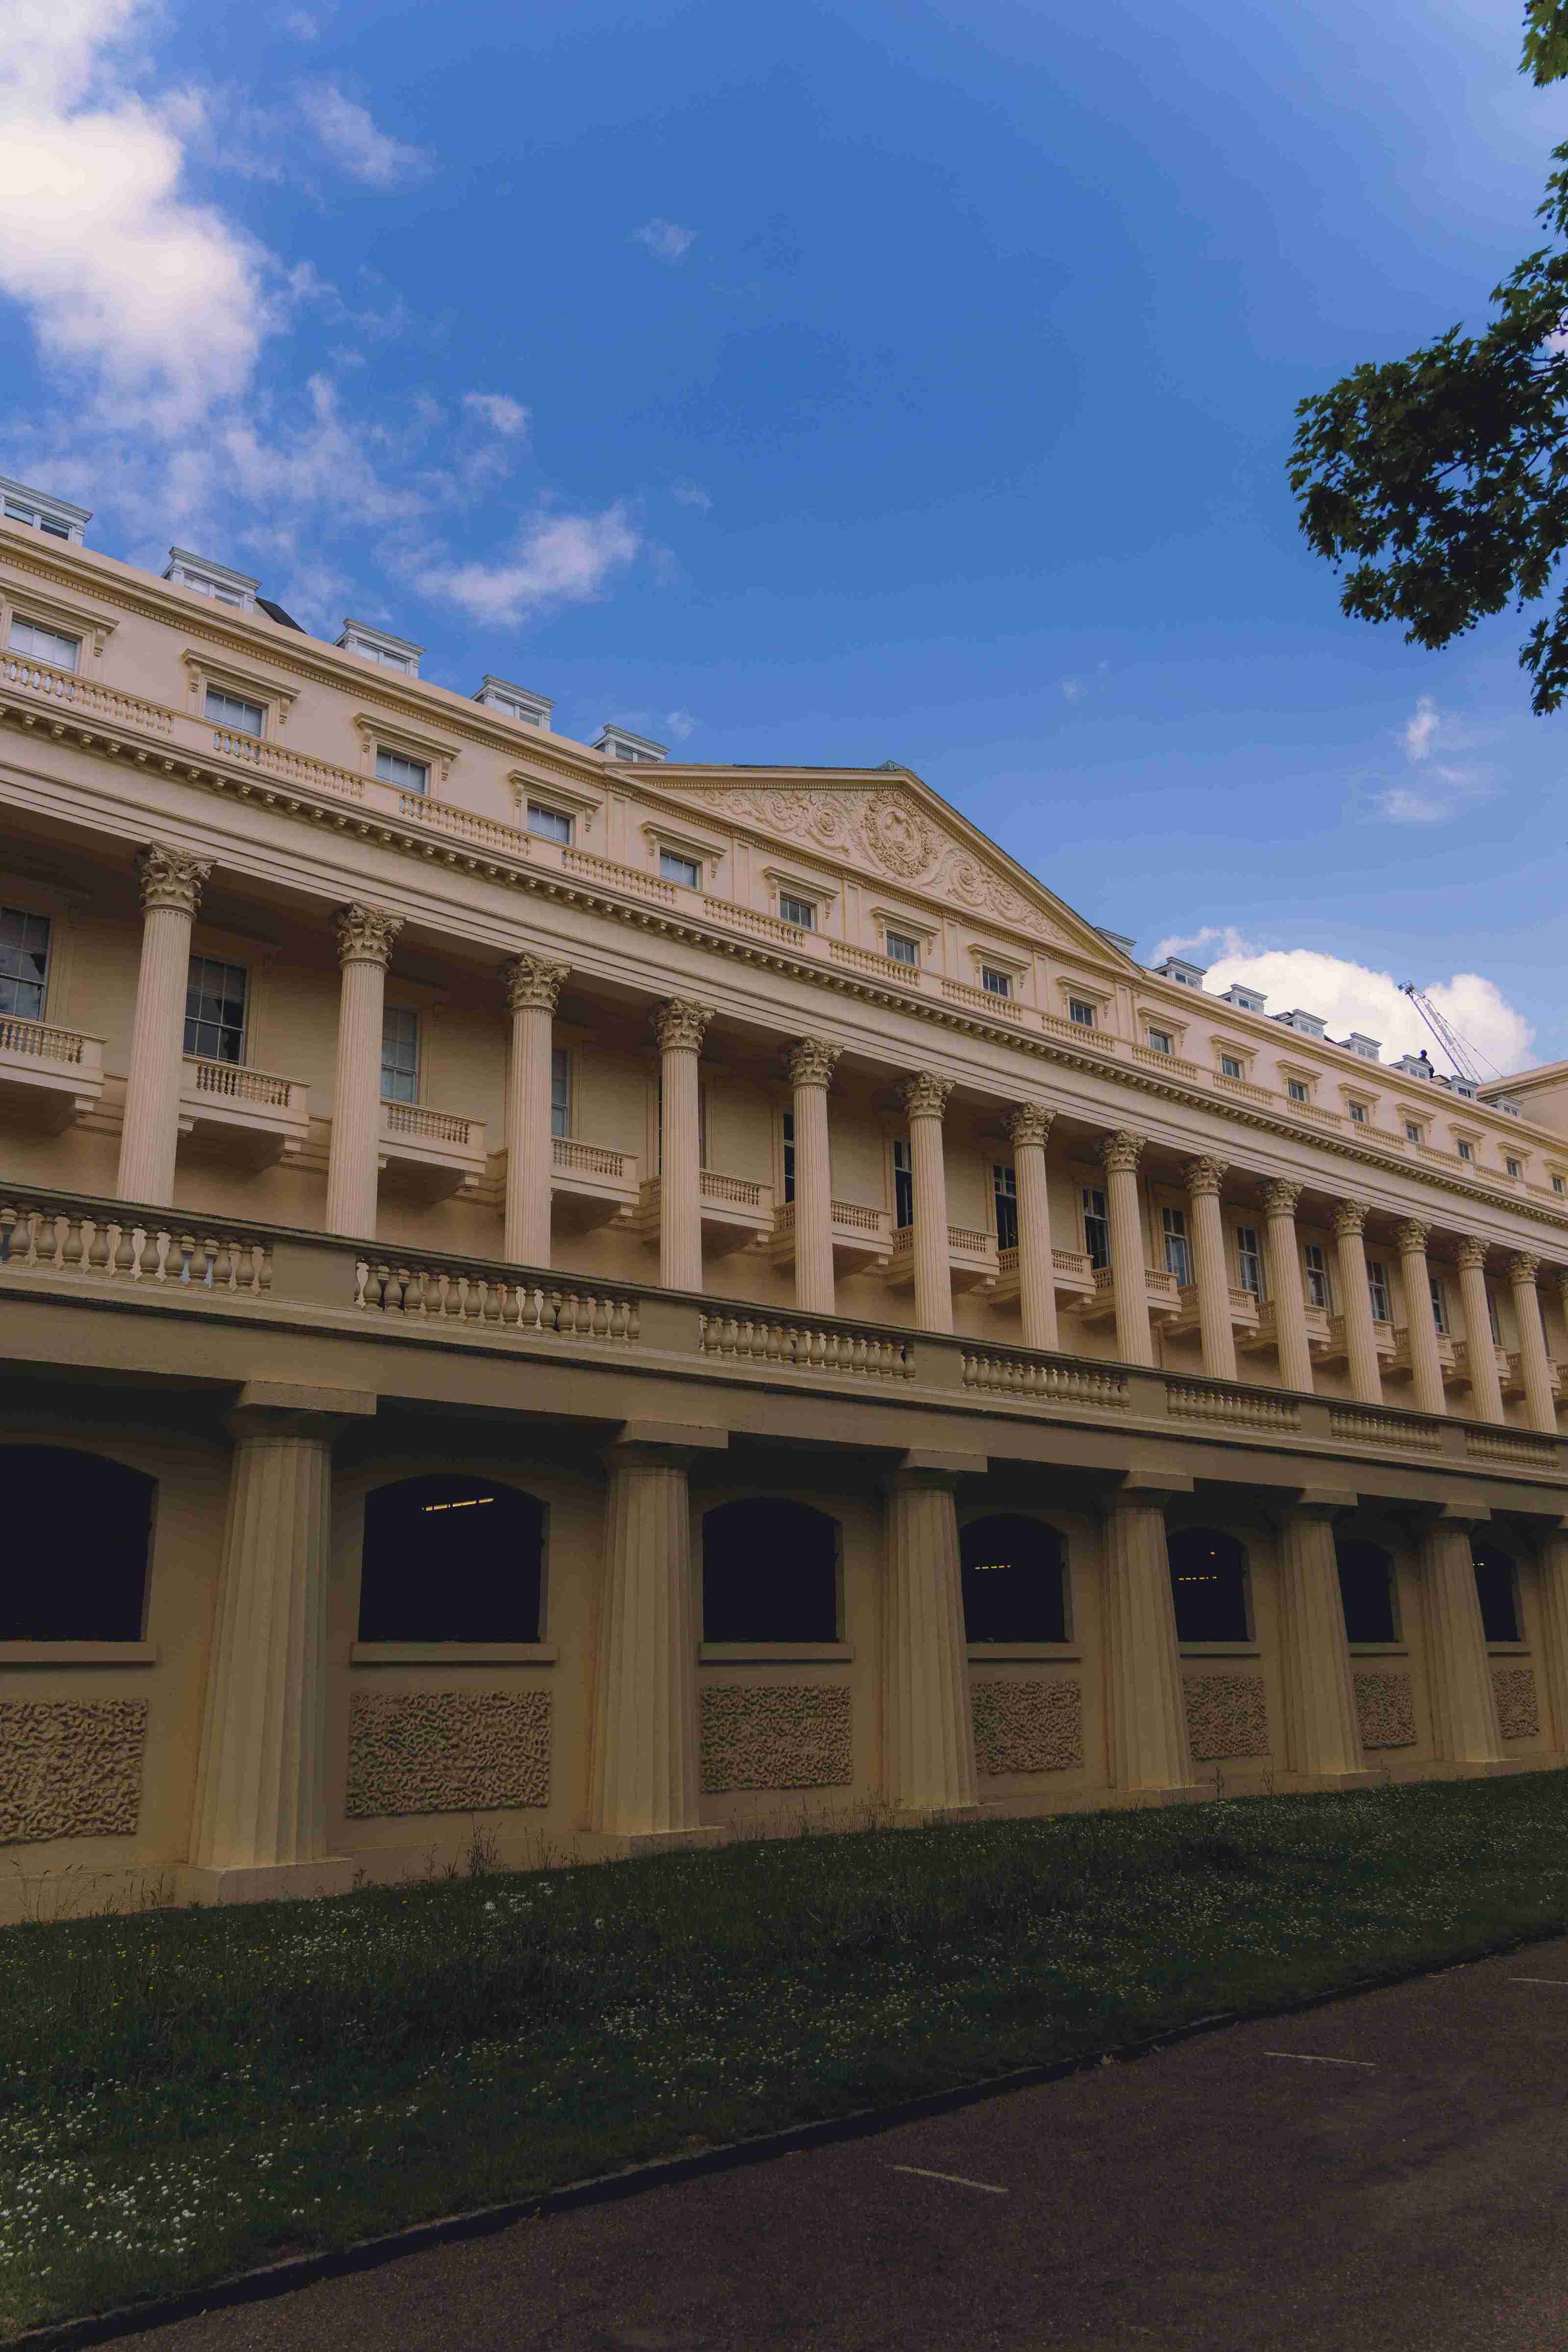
(184, 2093)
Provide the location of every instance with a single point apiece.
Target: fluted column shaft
(1480, 1349)
(1030, 1126)
(171, 887)
(1360, 1345)
(811, 1065)
(924, 1099)
(533, 987)
(1134, 1340)
(1146, 1718)
(1464, 1709)
(1204, 1178)
(928, 1736)
(1426, 1370)
(1536, 1365)
(647, 1777)
(680, 1027)
(1322, 1729)
(365, 935)
(1279, 1200)
(1554, 1630)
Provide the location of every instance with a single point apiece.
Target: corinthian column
(1464, 1709)
(365, 935)
(1029, 1127)
(1203, 1178)
(1480, 1349)
(171, 886)
(811, 1065)
(924, 1099)
(1536, 1365)
(1279, 1200)
(680, 1027)
(1427, 1371)
(533, 988)
(1147, 1719)
(1322, 1730)
(929, 1740)
(1134, 1341)
(1361, 1346)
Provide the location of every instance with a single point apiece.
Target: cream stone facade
(405, 1110)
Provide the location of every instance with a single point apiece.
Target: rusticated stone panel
(776, 1736)
(1518, 1717)
(451, 1751)
(70, 1768)
(1385, 1705)
(1027, 1723)
(1227, 1715)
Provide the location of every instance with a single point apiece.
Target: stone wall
(1385, 1705)
(1518, 1716)
(775, 1736)
(1027, 1723)
(451, 1751)
(70, 1768)
(1227, 1715)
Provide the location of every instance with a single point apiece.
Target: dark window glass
(1014, 1580)
(789, 1155)
(1209, 1585)
(82, 1524)
(1497, 1590)
(1366, 1591)
(769, 1572)
(1005, 1192)
(903, 1185)
(24, 962)
(214, 1010)
(448, 1558)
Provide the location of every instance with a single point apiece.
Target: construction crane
(1461, 1052)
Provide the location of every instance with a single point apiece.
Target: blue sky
(835, 384)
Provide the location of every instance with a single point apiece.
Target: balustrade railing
(1041, 1378)
(431, 1126)
(616, 877)
(591, 1158)
(484, 831)
(98, 1247)
(289, 767)
(487, 1297)
(982, 1000)
(41, 1041)
(65, 689)
(809, 1347)
(229, 1081)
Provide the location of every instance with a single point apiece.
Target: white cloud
(1447, 786)
(1071, 689)
(560, 560)
(350, 137)
(691, 494)
(664, 239)
(680, 725)
(499, 410)
(1421, 730)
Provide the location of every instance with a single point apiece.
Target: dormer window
(36, 510)
(35, 643)
(379, 645)
(208, 578)
(620, 743)
(517, 703)
(549, 824)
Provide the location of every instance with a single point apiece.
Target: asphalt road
(1238, 2190)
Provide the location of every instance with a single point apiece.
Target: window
(214, 1010)
(549, 824)
(769, 1572)
(87, 1523)
(560, 1090)
(394, 767)
(801, 912)
(1096, 1227)
(1515, 1168)
(1229, 1067)
(1081, 1012)
(1316, 1275)
(1560, 1183)
(449, 1559)
(903, 1184)
(1015, 1582)
(995, 982)
(1497, 1590)
(233, 711)
(1005, 1193)
(1412, 1132)
(16, 512)
(1495, 1327)
(1298, 1089)
(24, 963)
(1358, 1114)
(1466, 1151)
(1377, 1289)
(902, 949)
(1366, 1591)
(676, 869)
(1160, 1041)
(1439, 1311)
(43, 645)
(1248, 1261)
(1208, 1586)
(1178, 1250)
(399, 1054)
(789, 1155)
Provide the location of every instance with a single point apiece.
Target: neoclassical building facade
(603, 1300)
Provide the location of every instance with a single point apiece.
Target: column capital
(1280, 1196)
(811, 1061)
(1471, 1252)
(1120, 1152)
(1348, 1217)
(680, 1023)
(532, 983)
(1410, 1237)
(171, 877)
(1523, 1266)
(1205, 1174)
(365, 934)
(1029, 1123)
(924, 1095)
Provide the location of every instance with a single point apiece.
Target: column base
(631, 1845)
(271, 1882)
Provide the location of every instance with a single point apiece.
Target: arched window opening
(1366, 1590)
(1209, 1585)
(79, 1530)
(769, 1572)
(1015, 1582)
(1497, 1590)
(449, 1559)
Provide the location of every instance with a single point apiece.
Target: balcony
(1161, 1290)
(1254, 1338)
(249, 1116)
(1460, 1374)
(430, 1154)
(971, 1258)
(1243, 1311)
(861, 1237)
(1071, 1273)
(736, 1213)
(1337, 1350)
(1510, 1365)
(48, 1077)
(589, 1184)
(1400, 1365)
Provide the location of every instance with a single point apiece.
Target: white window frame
(1255, 1289)
(687, 870)
(202, 953)
(1238, 1070)
(223, 721)
(535, 807)
(562, 1077)
(1088, 1214)
(22, 624)
(1160, 1041)
(996, 979)
(795, 907)
(1377, 1290)
(911, 963)
(1089, 1005)
(51, 922)
(393, 756)
(1177, 1243)
(408, 1012)
(1315, 1276)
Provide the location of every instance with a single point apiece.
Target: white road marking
(955, 2178)
(1561, 1982)
(1311, 2058)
